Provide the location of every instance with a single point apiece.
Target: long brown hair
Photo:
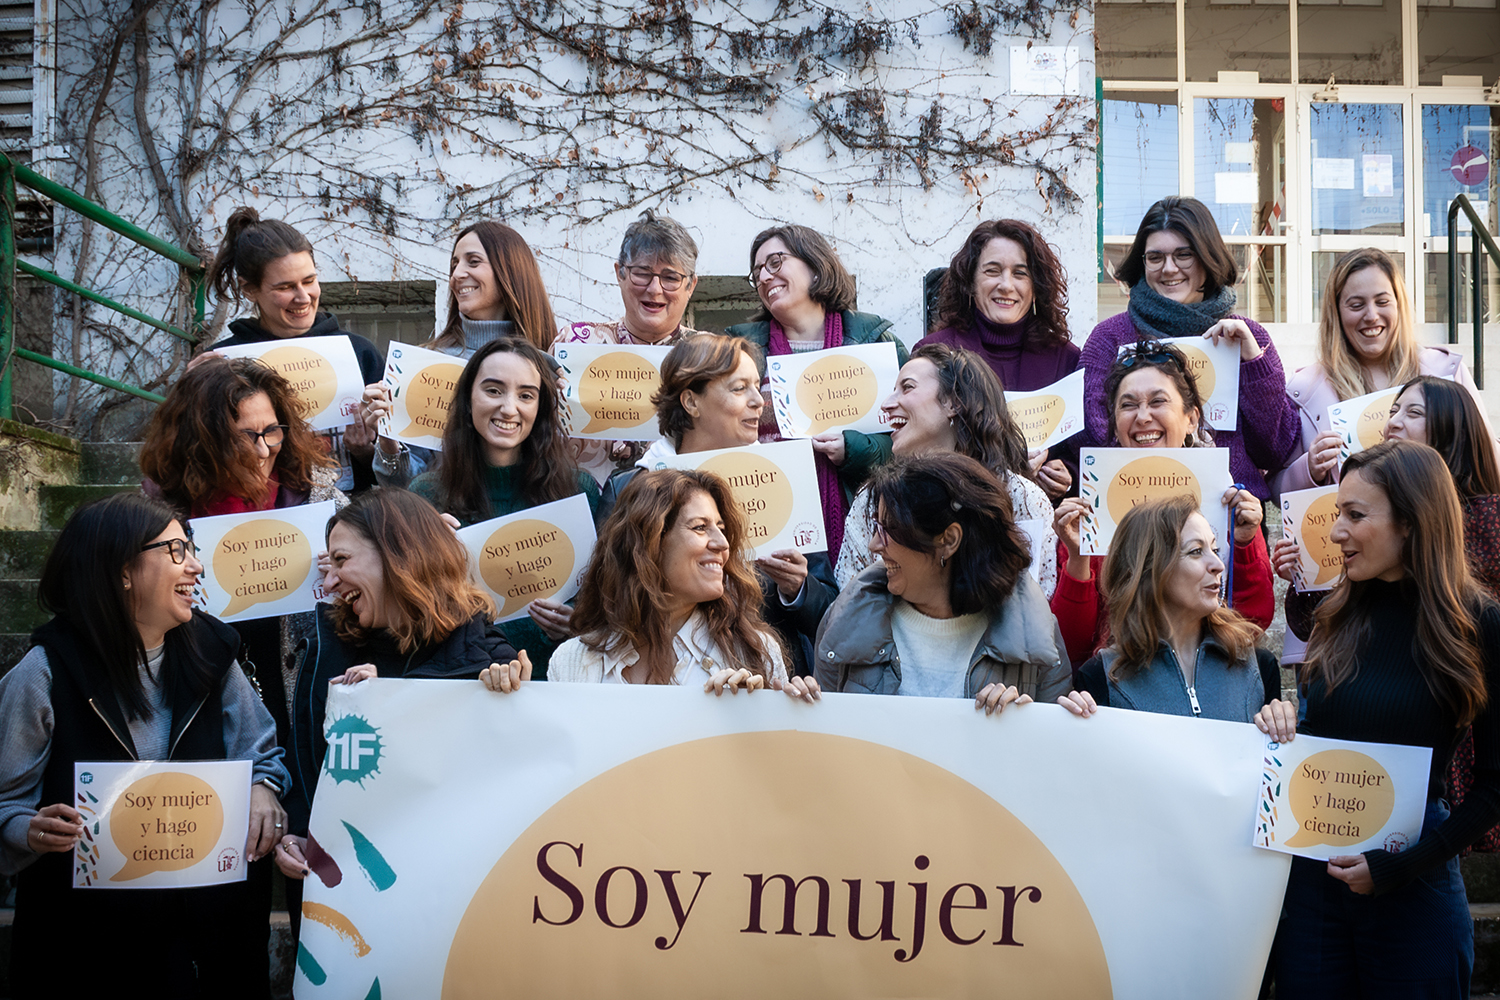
(622, 601)
(982, 425)
(1049, 282)
(428, 592)
(519, 281)
(1340, 364)
(547, 470)
(193, 452)
(1424, 502)
(1147, 544)
(1456, 428)
(832, 285)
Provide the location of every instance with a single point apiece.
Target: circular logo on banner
(667, 870)
(1470, 165)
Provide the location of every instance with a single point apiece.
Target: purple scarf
(829, 490)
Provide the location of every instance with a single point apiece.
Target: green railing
(11, 174)
(1481, 240)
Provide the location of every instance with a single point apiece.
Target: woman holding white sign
(1406, 649)
(1155, 402)
(127, 670)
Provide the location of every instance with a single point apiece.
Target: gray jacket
(1022, 645)
(1222, 689)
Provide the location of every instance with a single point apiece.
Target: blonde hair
(1340, 364)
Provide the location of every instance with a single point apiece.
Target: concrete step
(59, 502)
(22, 553)
(1486, 947)
(19, 611)
(1481, 874)
(112, 462)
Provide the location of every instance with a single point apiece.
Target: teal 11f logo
(354, 749)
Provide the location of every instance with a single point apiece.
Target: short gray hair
(656, 237)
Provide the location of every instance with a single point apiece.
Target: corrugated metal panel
(15, 121)
(14, 96)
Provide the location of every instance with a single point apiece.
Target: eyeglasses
(177, 548)
(272, 435)
(771, 265)
(641, 277)
(879, 535)
(1182, 257)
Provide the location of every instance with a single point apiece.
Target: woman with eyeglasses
(1181, 277)
(1155, 402)
(495, 290)
(655, 272)
(127, 670)
(807, 302)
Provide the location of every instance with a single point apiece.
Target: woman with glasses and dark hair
(1181, 279)
(656, 275)
(807, 302)
(127, 670)
(1155, 403)
(1005, 297)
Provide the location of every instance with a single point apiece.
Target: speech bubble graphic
(1370, 427)
(1148, 479)
(616, 391)
(260, 561)
(525, 560)
(836, 390)
(1339, 797)
(311, 374)
(1201, 367)
(1038, 417)
(760, 488)
(428, 396)
(164, 823)
(1313, 533)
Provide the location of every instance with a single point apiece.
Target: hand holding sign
(837, 389)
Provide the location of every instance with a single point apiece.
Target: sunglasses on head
(1149, 355)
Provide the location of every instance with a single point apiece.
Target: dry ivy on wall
(396, 119)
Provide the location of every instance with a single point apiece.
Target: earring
(1033, 307)
(942, 561)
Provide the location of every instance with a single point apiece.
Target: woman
(271, 264)
(1406, 649)
(1174, 648)
(127, 670)
(404, 606)
(1155, 402)
(949, 611)
(668, 599)
(1181, 279)
(948, 399)
(504, 451)
(807, 304)
(494, 290)
(655, 272)
(1005, 297)
(710, 399)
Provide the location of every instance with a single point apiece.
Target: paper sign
(422, 384)
(261, 564)
(1321, 798)
(609, 388)
(1035, 530)
(535, 553)
(1216, 371)
(1050, 414)
(1360, 422)
(323, 371)
(1379, 175)
(1306, 517)
(1113, 480)
(837, 389)
(161, 823)
(777, 488)
(1044, 69)
(1236, 188)
(1334, 174)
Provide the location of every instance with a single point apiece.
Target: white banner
(1051, 414)
(633, 842)
(422, 384)
(535, 553)
(1216, 372)
(1360, 422)
(262, 563)
(776, 485)
(1113, 480)
(161, 823)
(837, 389)
(609, 388)
(323, 371)
(1306, 518)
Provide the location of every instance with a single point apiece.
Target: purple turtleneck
(1021, 363)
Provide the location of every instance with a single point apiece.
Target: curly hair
(982, 423)
(622, 601)
(193, 451)
(1049, 282)
(1173, 364)
(832, 284)
(519, 281)
(428, 592)
(691, 365)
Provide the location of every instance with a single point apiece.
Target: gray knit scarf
(1158, 316)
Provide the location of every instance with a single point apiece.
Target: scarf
(830, 492)
(223, 503)
(1158, 316)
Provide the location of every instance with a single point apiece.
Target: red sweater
(1084, 620)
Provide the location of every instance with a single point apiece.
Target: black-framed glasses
(641, 277)
(272, 435)
(1182, 257)
(772, 264)
(177, 548)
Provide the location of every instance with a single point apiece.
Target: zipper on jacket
(183, 731)
(112, 730)
(1191, 689)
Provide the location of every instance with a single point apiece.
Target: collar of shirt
(692, 647)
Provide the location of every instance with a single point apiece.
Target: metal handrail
(1481, 238)
(11, 174)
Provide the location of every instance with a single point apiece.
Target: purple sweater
(1022, 366)
(1266, 436)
